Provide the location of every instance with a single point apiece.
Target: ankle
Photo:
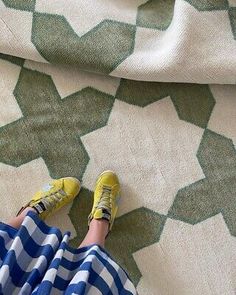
(101, 225)
(26, 210)
(100, 222)
(17, 221)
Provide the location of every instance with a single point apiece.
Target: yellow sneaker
(54, 196)
(106, 198)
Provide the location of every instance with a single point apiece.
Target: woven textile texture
(144, 88)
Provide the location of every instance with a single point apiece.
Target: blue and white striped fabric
(36, 259)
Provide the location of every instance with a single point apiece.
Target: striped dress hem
(37, 259)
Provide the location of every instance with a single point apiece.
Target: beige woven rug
(147, 89)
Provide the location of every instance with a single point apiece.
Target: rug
(144, 88)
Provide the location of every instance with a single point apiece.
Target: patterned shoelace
(105, 200)
(53, 199)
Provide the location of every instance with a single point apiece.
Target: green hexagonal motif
(59, 44)
(51, 127)
(28, 5)
(156, 14)
(232, 17)
(209, 4)
(216, 192)
(193, 102)
(123, 241)
(13, 59)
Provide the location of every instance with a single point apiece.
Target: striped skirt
(36, 259)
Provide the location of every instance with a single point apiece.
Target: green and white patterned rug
(147, 89)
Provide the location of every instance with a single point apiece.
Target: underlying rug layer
(172, 144)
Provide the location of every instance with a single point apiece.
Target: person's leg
(101, 218)
(17, 221)
(98, 230)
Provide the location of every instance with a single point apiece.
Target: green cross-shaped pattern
(156, 14)
(28, 5)
(50, 126)
(216, 192)
(193, 102)
(57, 42)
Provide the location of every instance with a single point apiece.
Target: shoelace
(105, 199)
(50, 200)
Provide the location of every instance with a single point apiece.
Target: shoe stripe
(39, 207)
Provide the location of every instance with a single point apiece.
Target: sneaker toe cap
(71, 186)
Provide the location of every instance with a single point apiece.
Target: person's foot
(106, 197)
(54, 196)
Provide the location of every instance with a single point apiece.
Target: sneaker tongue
(47, 187)
(102, 213)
